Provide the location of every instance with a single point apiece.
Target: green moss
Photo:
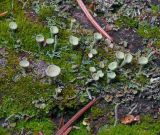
(81, 131)
(147, 31)
(36, 125)
(27, 30)
(69, 98)
(29, 88)
(109, 56)
(96, 112)
(143, 29)
(19, 96)
(4, 131)
(155, 8)
(126, 21)
(157, 44)
(46, 11)
(142, 79)
(122, 78)
(148, 126)
(5, 5)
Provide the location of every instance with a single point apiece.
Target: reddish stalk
(75, 117)
(91, 19)
(67, 131)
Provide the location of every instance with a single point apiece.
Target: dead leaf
(128, 119)
(3, 14)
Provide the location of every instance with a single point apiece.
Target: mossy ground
(148, 126)
(143, 28)
(16, 98)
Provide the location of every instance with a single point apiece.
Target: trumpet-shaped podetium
(94, 51)
(120, 55)
(13, 25)
(142, 60)
(74, 40)
(49, 41)
(97, 36)
(111, 75)
(54, 30)
(24, 63)
(72, 22)
(53, 71)
(100, 73)
(40, 38)
(95, 76)
(90, 55)
(92, 69)
(128, 58)
(101, 64)
(113, 65)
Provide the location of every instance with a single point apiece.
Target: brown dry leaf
(3, 14)
(128, 119)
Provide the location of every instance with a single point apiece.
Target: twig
(133, 109)
(91, 19)
(76, 116)
(116, 113)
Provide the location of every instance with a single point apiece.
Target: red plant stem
(67, 131)
(91, 19)
(76, 116)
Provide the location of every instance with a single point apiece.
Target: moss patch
(148, 126)
(46, 126)
(4, 131)
(126, 21)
